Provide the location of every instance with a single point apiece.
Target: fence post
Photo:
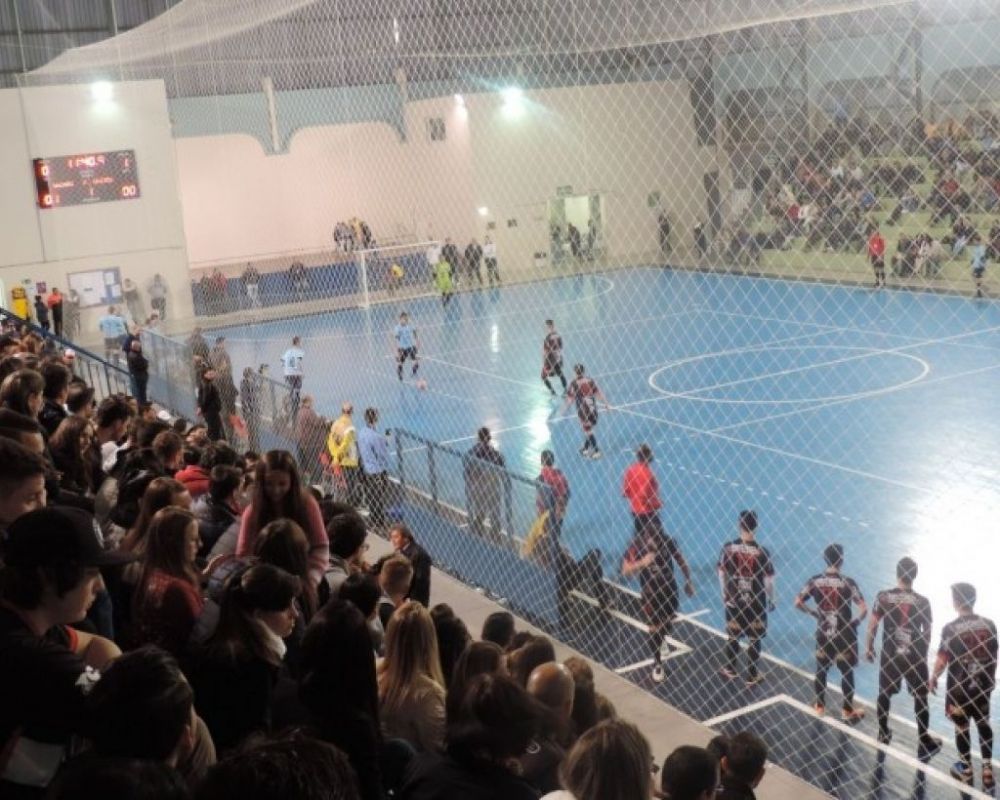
(432, 472)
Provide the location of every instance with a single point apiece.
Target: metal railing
(105, 377)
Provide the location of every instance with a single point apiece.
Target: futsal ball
(421, 385)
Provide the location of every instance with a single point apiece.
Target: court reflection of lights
(494, 338)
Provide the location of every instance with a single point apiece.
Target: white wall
(140, 237)
(622, 140)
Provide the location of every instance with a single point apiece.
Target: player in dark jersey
(652, 554)
(552, 359)
(584, 391)
(836, 630)
(747, 577)
(969, 652)
(906, 635)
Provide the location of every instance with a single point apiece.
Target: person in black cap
(835, 596)
(969, 652)
(49, 579)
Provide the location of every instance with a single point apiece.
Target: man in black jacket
(486, 484)
(403, 543)
(210, 405)
(473, 259)
(450, 254)
(56, 377)
(138, 367)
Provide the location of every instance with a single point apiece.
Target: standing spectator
(168, 596)
(133, 301)
(552, 499)
(403, 543)
(55, 304)
(701, 238)
(41, 313)
(339, 691)
(342, 444)
(374, 452)
(250, 399)
(291, 362)
(473, 260)
(158, 295)
(411, 684)
(611, 761)
(449, 253)
(197, 345)
(663, 232)
(210, 405)
(53, 410)
(234, 673)
(222, 363)
(978, 263)
(836, 628)
(575, 243)
(969, 652)
(492, 267)
(486, 484)
(220, 290)
(114, 330)
(310, 437)
(49, 578)
(299, 280)
(279, 494)
(138, 367)
(876, 256)
(251, 285)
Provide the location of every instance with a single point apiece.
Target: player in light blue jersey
(406, 345)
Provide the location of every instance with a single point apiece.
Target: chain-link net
(764, 227)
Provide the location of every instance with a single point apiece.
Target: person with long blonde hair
(411, 686)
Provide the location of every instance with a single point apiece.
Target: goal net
(768, 231)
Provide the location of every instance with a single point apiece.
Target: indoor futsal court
(830, 410)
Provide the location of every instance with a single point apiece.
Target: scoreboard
(86, 178)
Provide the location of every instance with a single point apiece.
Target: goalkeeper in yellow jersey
(443, 280)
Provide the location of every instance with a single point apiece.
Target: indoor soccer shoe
(658, 673)
(961, 771)
(928, 748)
(852, 714)
(754, 680)
(819, 708)
(988, 783)
(729, 673)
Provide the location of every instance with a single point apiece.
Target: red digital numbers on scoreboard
(86, 178)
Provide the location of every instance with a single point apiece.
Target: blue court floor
(839, 414)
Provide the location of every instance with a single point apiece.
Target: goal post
(396, 270)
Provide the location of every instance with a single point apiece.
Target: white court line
(889, 390)
(899, 755)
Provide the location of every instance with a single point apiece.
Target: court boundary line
(842, 727)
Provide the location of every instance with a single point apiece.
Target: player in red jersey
(584, 391)
(552, 358)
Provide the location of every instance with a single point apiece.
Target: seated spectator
(346, 534)
(453, 637)
(68, 446)
(168, 596)
(524, 660)
(395, 575)
(198, 479)
(143, 707)
(22, 482)
(278, 494)
(52, 412)
(552, 686)
(690, 773)
(21, 391)
(479, 658)
(23, 430)
(411, 686)
(403, 542)
(742, 766)
(90, 776)
(80, 401)
(168, 447)
(611, 761)
(491, 727)
(499, 629)
(339, 692)
(589, 707)
(49, 578)
(363, 591)
(235, 671)
(290, 766)
(159, 493)
(218, 510)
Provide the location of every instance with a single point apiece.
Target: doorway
(576, 228)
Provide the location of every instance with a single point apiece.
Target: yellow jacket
(343, 443)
